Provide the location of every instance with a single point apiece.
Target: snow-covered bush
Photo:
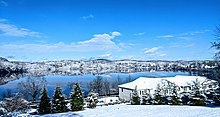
(16, 103)
(92, 100)
(3, 112)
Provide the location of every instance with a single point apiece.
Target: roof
(151, 83)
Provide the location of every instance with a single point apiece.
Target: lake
(63, 81)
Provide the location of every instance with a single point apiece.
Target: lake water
(63, 81)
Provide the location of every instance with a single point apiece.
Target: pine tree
(77, 100)
(144, 100)
(175, 99)
(44, 106)
(158, 98)
(217, 97)
(58, 101)
(135, 98)
(185, 98)
(92, 99)
(197, 99)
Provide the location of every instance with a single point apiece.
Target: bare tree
(96, 85)
(106, 86)
(129, 78)
(15, 103)
(31, 87)
(117, 82)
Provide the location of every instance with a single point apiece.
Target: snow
(151, 83)
(123, 110)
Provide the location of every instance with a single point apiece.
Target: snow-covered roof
(151, 83)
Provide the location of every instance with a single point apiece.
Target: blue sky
(36, 30)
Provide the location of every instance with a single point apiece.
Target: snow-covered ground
(123, 110)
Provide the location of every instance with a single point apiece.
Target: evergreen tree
(185, 98)
(144, 100)
(58, 101)
(147, 99)
(77, 100)
(44, 106)
(217, 100)
(197, 99)
(158, 98)
(175, 99)
(215, 73)
(217, 97)
(92, 99)
(135, 98)
(216, 44)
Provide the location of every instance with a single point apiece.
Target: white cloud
(182, 45)
(107, 55)
(3, 3)
(3, 20)
(139, 34)
(162, 55)
(99, 42)
(88, 17)
(166, 36)
(184, 35)
(151, 50)
(116, 34)
(125, 45)
(102, 41)
(7, 29)
(194, 33)
(154, 53)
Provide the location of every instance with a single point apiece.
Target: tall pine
(135, 98)
(58, 101)
(158, 98)
(197, 98)
(44, 106)
(76, 98)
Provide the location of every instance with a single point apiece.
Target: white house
(148, 85)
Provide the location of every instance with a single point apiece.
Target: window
(121, 89)
(140, 92)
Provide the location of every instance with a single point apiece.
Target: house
(149, 85)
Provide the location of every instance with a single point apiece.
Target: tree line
(56, 104)
(167, 93)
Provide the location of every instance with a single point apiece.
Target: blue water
(84, 80)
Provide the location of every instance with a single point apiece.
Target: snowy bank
(123, 110)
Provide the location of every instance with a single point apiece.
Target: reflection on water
(64, 81)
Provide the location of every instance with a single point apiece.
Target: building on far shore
(148, 85)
